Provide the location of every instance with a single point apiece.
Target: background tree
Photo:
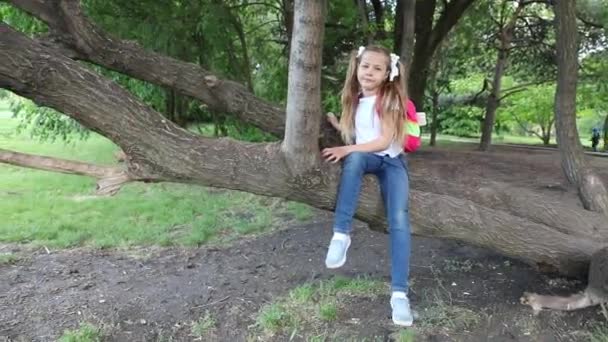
(508, 13)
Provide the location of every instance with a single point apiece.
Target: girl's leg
(394, 185)
(354, 167)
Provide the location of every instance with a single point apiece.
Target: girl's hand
(335, 154)
(333, 120)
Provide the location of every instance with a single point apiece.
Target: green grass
(405, 335)
(443, 314)
(85, 333)
(307, 309)
(8, 258)
(444, 140)
(203, 326)
(599, 334)
(58, 210)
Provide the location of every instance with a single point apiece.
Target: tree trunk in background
(506, 36)
(546, 130)
(434, 119)
(407, 15)
(238, 26)
(493, 101)
(288, 20)
(379, 14)
(397, 32)
(591, 188)
(606, 133)
(170, 104)
(428, 38)
(362, 9)
(419, 68)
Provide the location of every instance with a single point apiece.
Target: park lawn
(447, 140)
(59, 210)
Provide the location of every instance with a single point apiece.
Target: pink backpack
(412, 140)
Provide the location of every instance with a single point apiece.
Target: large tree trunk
(511, 220)
(301, 145)
(591, 188)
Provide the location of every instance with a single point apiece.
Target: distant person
(595, 138)
(372, 125)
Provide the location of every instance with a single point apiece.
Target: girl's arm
(333, 121)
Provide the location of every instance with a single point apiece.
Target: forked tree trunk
(428, 38)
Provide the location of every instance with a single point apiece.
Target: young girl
(374, 145)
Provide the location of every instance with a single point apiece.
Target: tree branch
(110, 178)
(521, 87)
(589, 22)
(71, 29)
(447, 20)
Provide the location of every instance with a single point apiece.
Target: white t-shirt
(368, 126)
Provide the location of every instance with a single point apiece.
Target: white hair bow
(394, 63)
(360, 52)
(394, 67)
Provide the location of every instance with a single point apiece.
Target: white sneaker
(402, 314)
(336, 253)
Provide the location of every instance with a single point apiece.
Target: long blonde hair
(391, 99)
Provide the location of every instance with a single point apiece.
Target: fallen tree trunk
(159, 150)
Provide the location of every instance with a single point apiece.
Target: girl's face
(372, 71)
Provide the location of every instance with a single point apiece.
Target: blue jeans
(394, 185)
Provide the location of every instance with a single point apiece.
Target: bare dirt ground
(155, 294)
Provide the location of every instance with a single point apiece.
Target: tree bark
(301, 145)
(591, 188)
